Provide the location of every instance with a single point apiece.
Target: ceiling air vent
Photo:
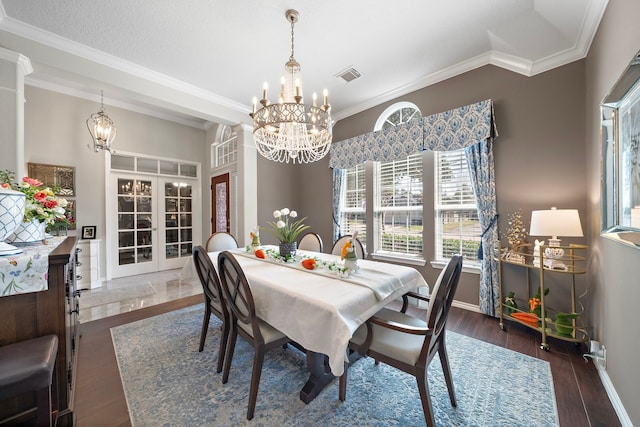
(349, 74)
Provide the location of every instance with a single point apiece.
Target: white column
(13, 68)
(247, 183)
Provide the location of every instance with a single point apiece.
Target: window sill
(473, 269)
(399, 259)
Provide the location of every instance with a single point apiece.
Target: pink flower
(50, 204)
(31, 181)
(40, 196)
(5, 185)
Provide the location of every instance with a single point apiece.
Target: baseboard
(613, 396)
(466, 306)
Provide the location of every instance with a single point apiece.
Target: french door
(153, 223)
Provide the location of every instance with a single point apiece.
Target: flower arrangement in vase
(286, 229)
(43, 207)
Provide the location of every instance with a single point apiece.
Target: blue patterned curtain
(481, 171)
(338, 183)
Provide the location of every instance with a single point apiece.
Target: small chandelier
(101, 128)
(291, 130)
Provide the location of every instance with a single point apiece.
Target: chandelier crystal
(291, 130)
(101, 128)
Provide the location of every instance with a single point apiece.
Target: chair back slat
(208, 277)
(441, 300)
(236, 290)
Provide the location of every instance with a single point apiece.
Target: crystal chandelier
(101, 128)
(291, 130)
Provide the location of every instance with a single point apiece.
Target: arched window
(398, 191)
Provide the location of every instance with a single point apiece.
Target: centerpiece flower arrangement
(286, 228)
(42, 203)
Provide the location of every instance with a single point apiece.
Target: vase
(288, 249)
(32, 231)
(11, 213)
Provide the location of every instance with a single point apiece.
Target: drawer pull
(78, 263)
(78, 277)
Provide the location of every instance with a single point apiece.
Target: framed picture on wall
(89, 232)
(62, 177)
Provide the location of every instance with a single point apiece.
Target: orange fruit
(260, 253)
(309, 264)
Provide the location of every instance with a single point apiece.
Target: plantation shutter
(457, 225)
(399, 206)
(352, 217)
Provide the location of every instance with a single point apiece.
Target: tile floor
(134, 292)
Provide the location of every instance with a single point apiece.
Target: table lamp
(555, 222)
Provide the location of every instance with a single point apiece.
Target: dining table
(321, 308)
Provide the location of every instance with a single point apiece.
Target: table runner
(378, 277)
(28, 271)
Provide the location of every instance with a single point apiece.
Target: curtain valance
(452, 130)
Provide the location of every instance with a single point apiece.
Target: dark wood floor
(580, 395)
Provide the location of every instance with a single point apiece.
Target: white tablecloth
(318, 311)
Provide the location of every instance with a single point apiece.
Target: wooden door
(220, 204)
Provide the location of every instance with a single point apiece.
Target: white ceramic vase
(11, 213)
(32, 231)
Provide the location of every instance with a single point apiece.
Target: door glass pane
(126, 256)
(135, 221)
(185, 220)
(168, 168)
(147, 165)
(221, 207)
(125, 222)
(178, 224)
(122, 162)
(188, 170)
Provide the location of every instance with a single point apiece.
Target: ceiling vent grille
(349, 74)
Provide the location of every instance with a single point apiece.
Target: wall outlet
(597, 352)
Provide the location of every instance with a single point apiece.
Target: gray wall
(539, 154)
(614, 268)
(56, 133)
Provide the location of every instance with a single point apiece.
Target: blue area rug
(167, 382)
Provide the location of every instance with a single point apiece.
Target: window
(457, 228)
(352, 217)
(398, 206)
(398, 190)
(224, 151)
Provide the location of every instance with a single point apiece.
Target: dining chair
(337, 246)
(213, 300)
(221, 241)
(244, 322)
(409, 343)
(310, 242)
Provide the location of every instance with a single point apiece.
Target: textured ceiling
(205, 59)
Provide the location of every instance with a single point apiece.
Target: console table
(53, 310)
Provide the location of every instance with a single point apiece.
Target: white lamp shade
(556, 222)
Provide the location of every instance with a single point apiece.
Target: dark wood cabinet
(53, 311)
